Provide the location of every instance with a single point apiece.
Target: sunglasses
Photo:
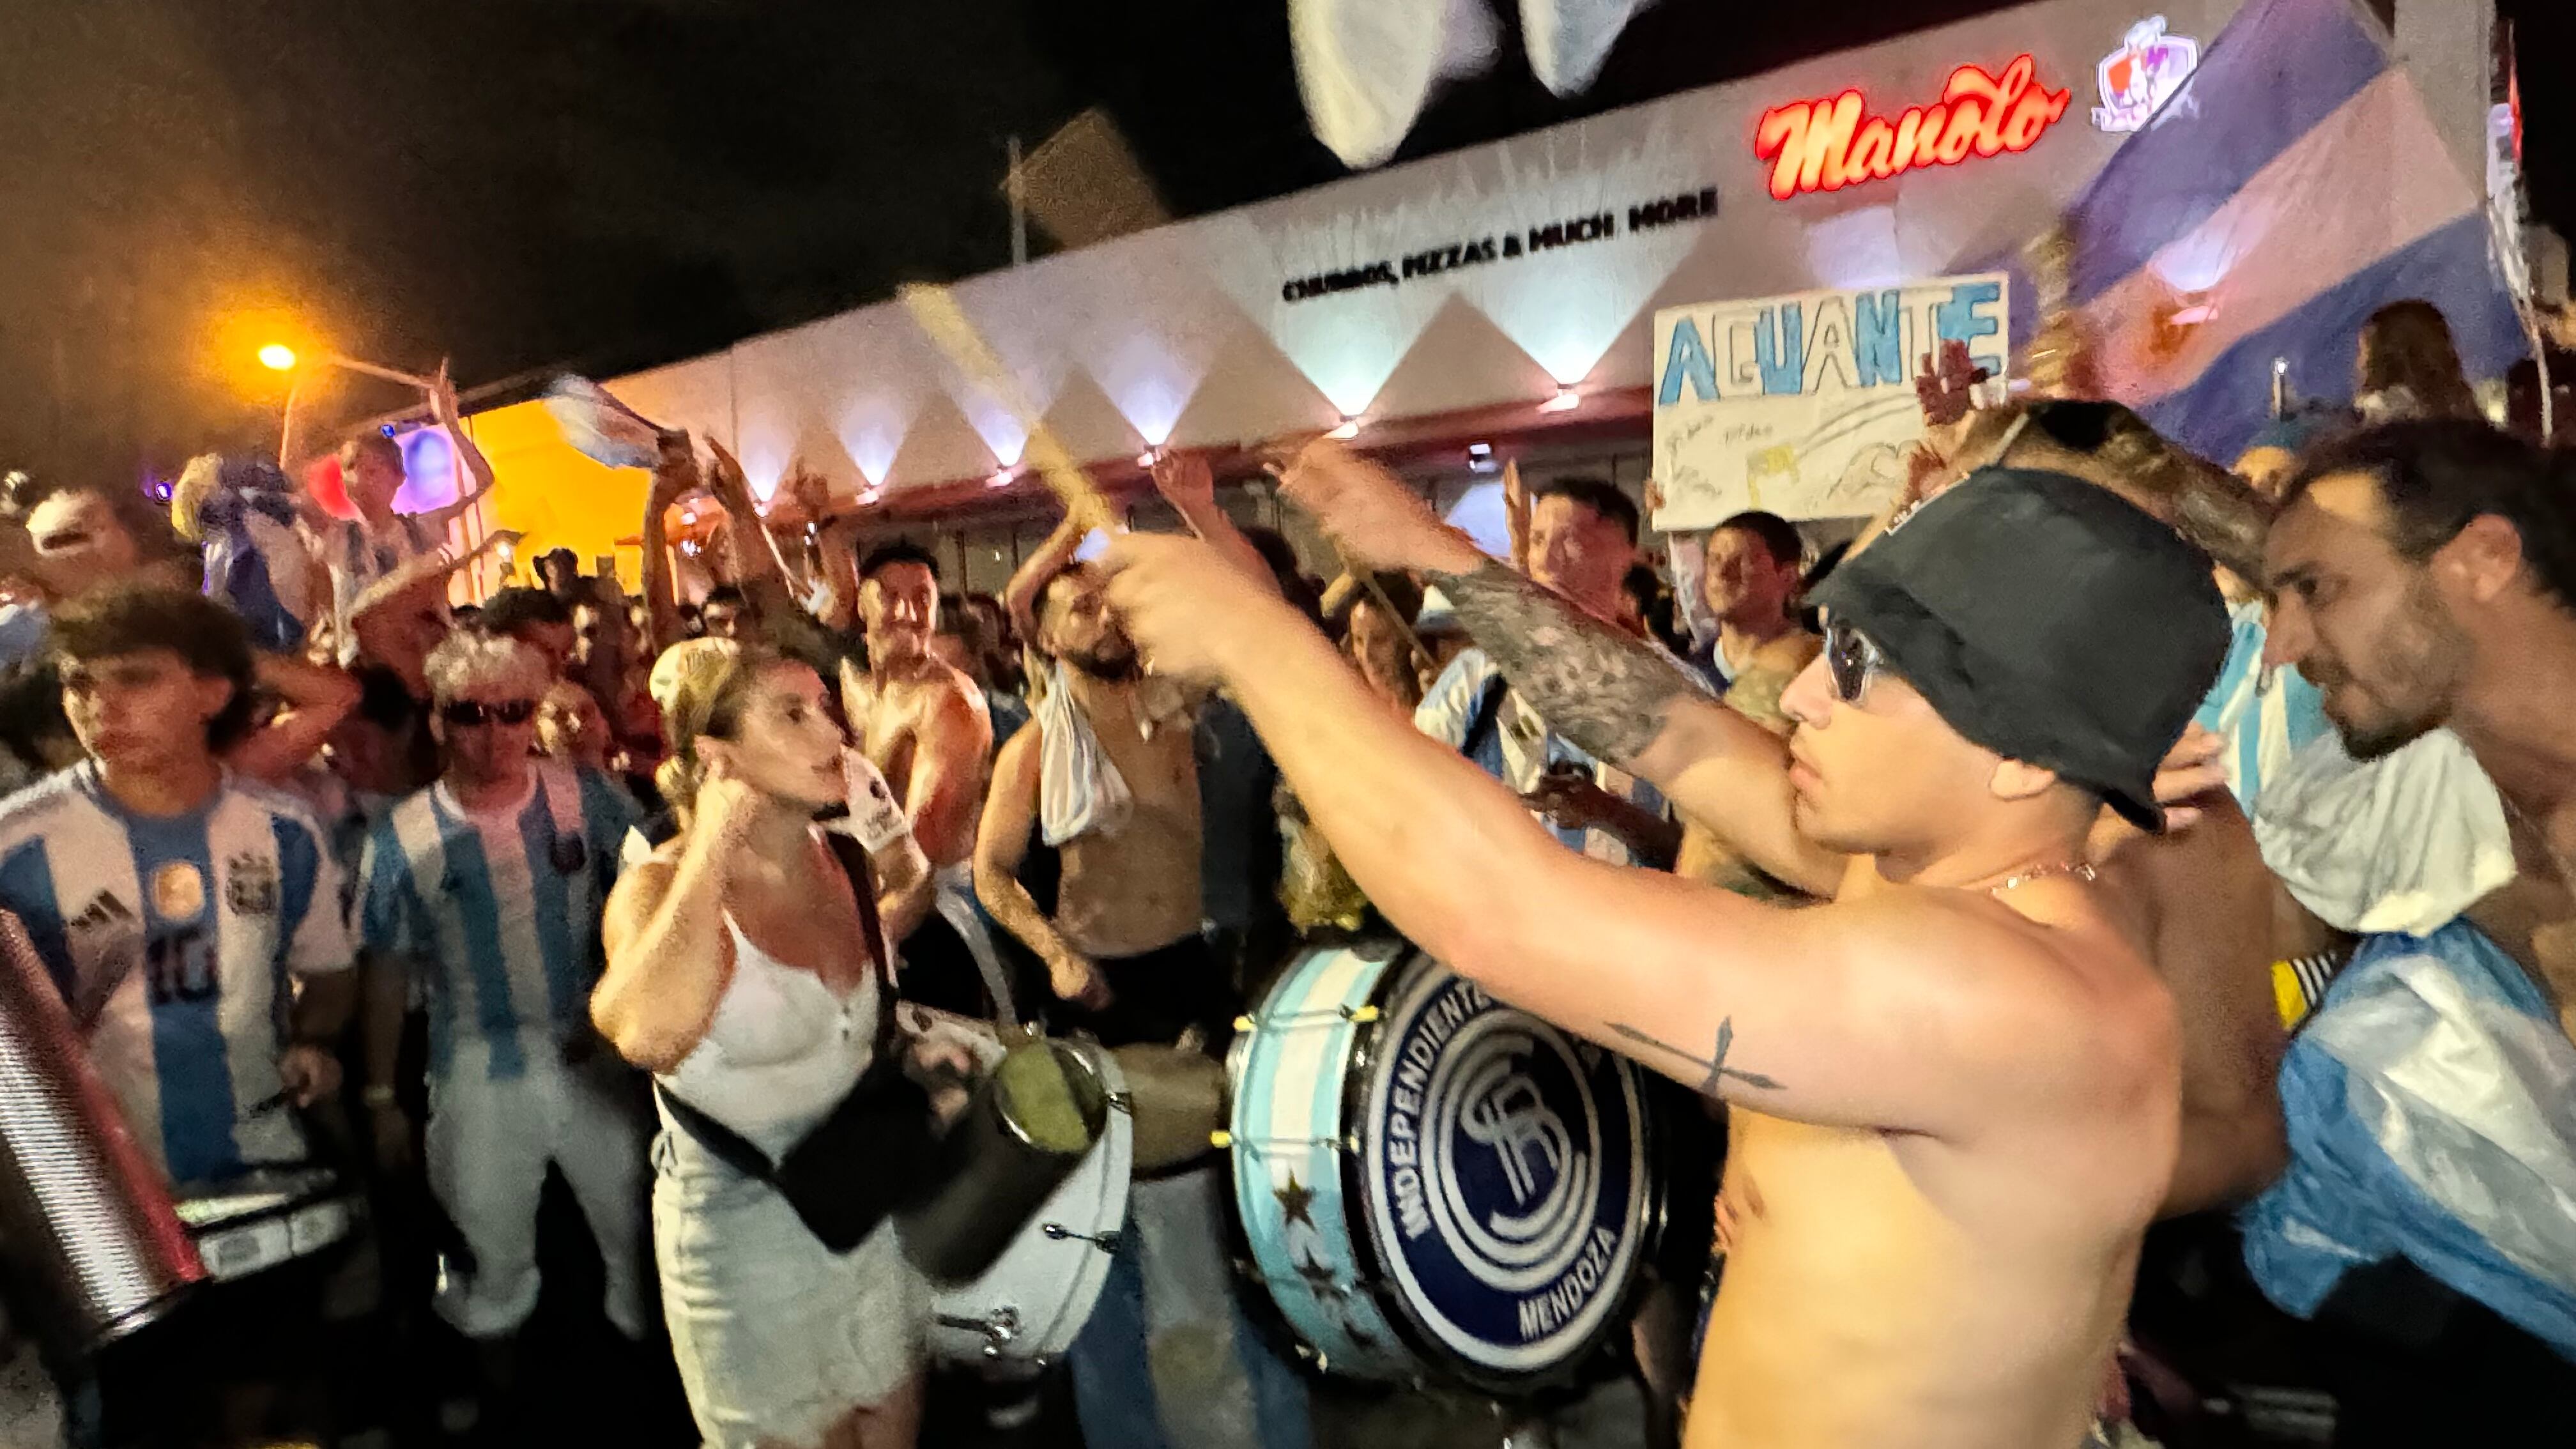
(1851, 659)
(468, 713)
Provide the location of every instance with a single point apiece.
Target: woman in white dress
(739, 974)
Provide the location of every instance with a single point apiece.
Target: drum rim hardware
(1000, 1328)
(1058, 1233)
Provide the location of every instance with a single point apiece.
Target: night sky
(608, 184)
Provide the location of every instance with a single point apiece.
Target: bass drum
(1027, 1308)
(1432, 1183)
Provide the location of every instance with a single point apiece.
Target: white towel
(2403, 843)
(1080, 792)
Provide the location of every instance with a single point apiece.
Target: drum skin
(1028, 1307)
(1432, 1183)
(1179, 1097)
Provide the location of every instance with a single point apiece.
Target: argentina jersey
(500, 910)
(175, 939)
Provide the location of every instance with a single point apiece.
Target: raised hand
(1185, 481)
(727, 480)
(726, 806)
(442, 399)
(1178, 598)
(1374, 519)
(675, 472)
(1943, 388)
(2190, 770)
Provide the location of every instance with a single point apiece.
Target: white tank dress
(777, 1336)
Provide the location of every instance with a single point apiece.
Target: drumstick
(936, 310)
(1377, 591)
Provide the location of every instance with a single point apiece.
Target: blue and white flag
(2431, 1108)
(2291, 187)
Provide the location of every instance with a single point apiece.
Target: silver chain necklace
(2080, 869)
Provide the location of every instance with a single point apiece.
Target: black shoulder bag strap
(836, 1177)
(731, 1147)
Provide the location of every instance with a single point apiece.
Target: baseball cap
(2048, 620)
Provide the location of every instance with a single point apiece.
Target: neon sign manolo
(1826, 145)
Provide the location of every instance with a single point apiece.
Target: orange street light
(277, 357)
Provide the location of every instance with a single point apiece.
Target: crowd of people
(2111, 924)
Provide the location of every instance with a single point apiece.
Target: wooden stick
(370, 369)
(1395, 616)
(936, 310)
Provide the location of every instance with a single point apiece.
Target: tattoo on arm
(1714, 1062)
(1593, 685)
(2227, 519)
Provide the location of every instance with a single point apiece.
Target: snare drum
(272, 1215)
(1027, 1307)
(1432, 1183)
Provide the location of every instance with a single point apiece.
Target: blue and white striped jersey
(500, 909)
(175, 938)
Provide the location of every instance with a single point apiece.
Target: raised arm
(1020, 595)
(674, 473)
(313, 699)
(443, 410)
(1614, 696)
(669, 958)
(757, 567)
(1185, 483)
(1907, 1010)
(293, 436)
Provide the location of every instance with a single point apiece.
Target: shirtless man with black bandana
(1959, 1079)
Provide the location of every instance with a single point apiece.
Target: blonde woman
(739, 972)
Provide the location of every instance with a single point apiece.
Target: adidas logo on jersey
(103, 910)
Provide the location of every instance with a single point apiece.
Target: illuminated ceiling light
(277, 357)
(1001, 479)
(1145, 459)
(1480, 450)
(1565, 401)
(1350, 428)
